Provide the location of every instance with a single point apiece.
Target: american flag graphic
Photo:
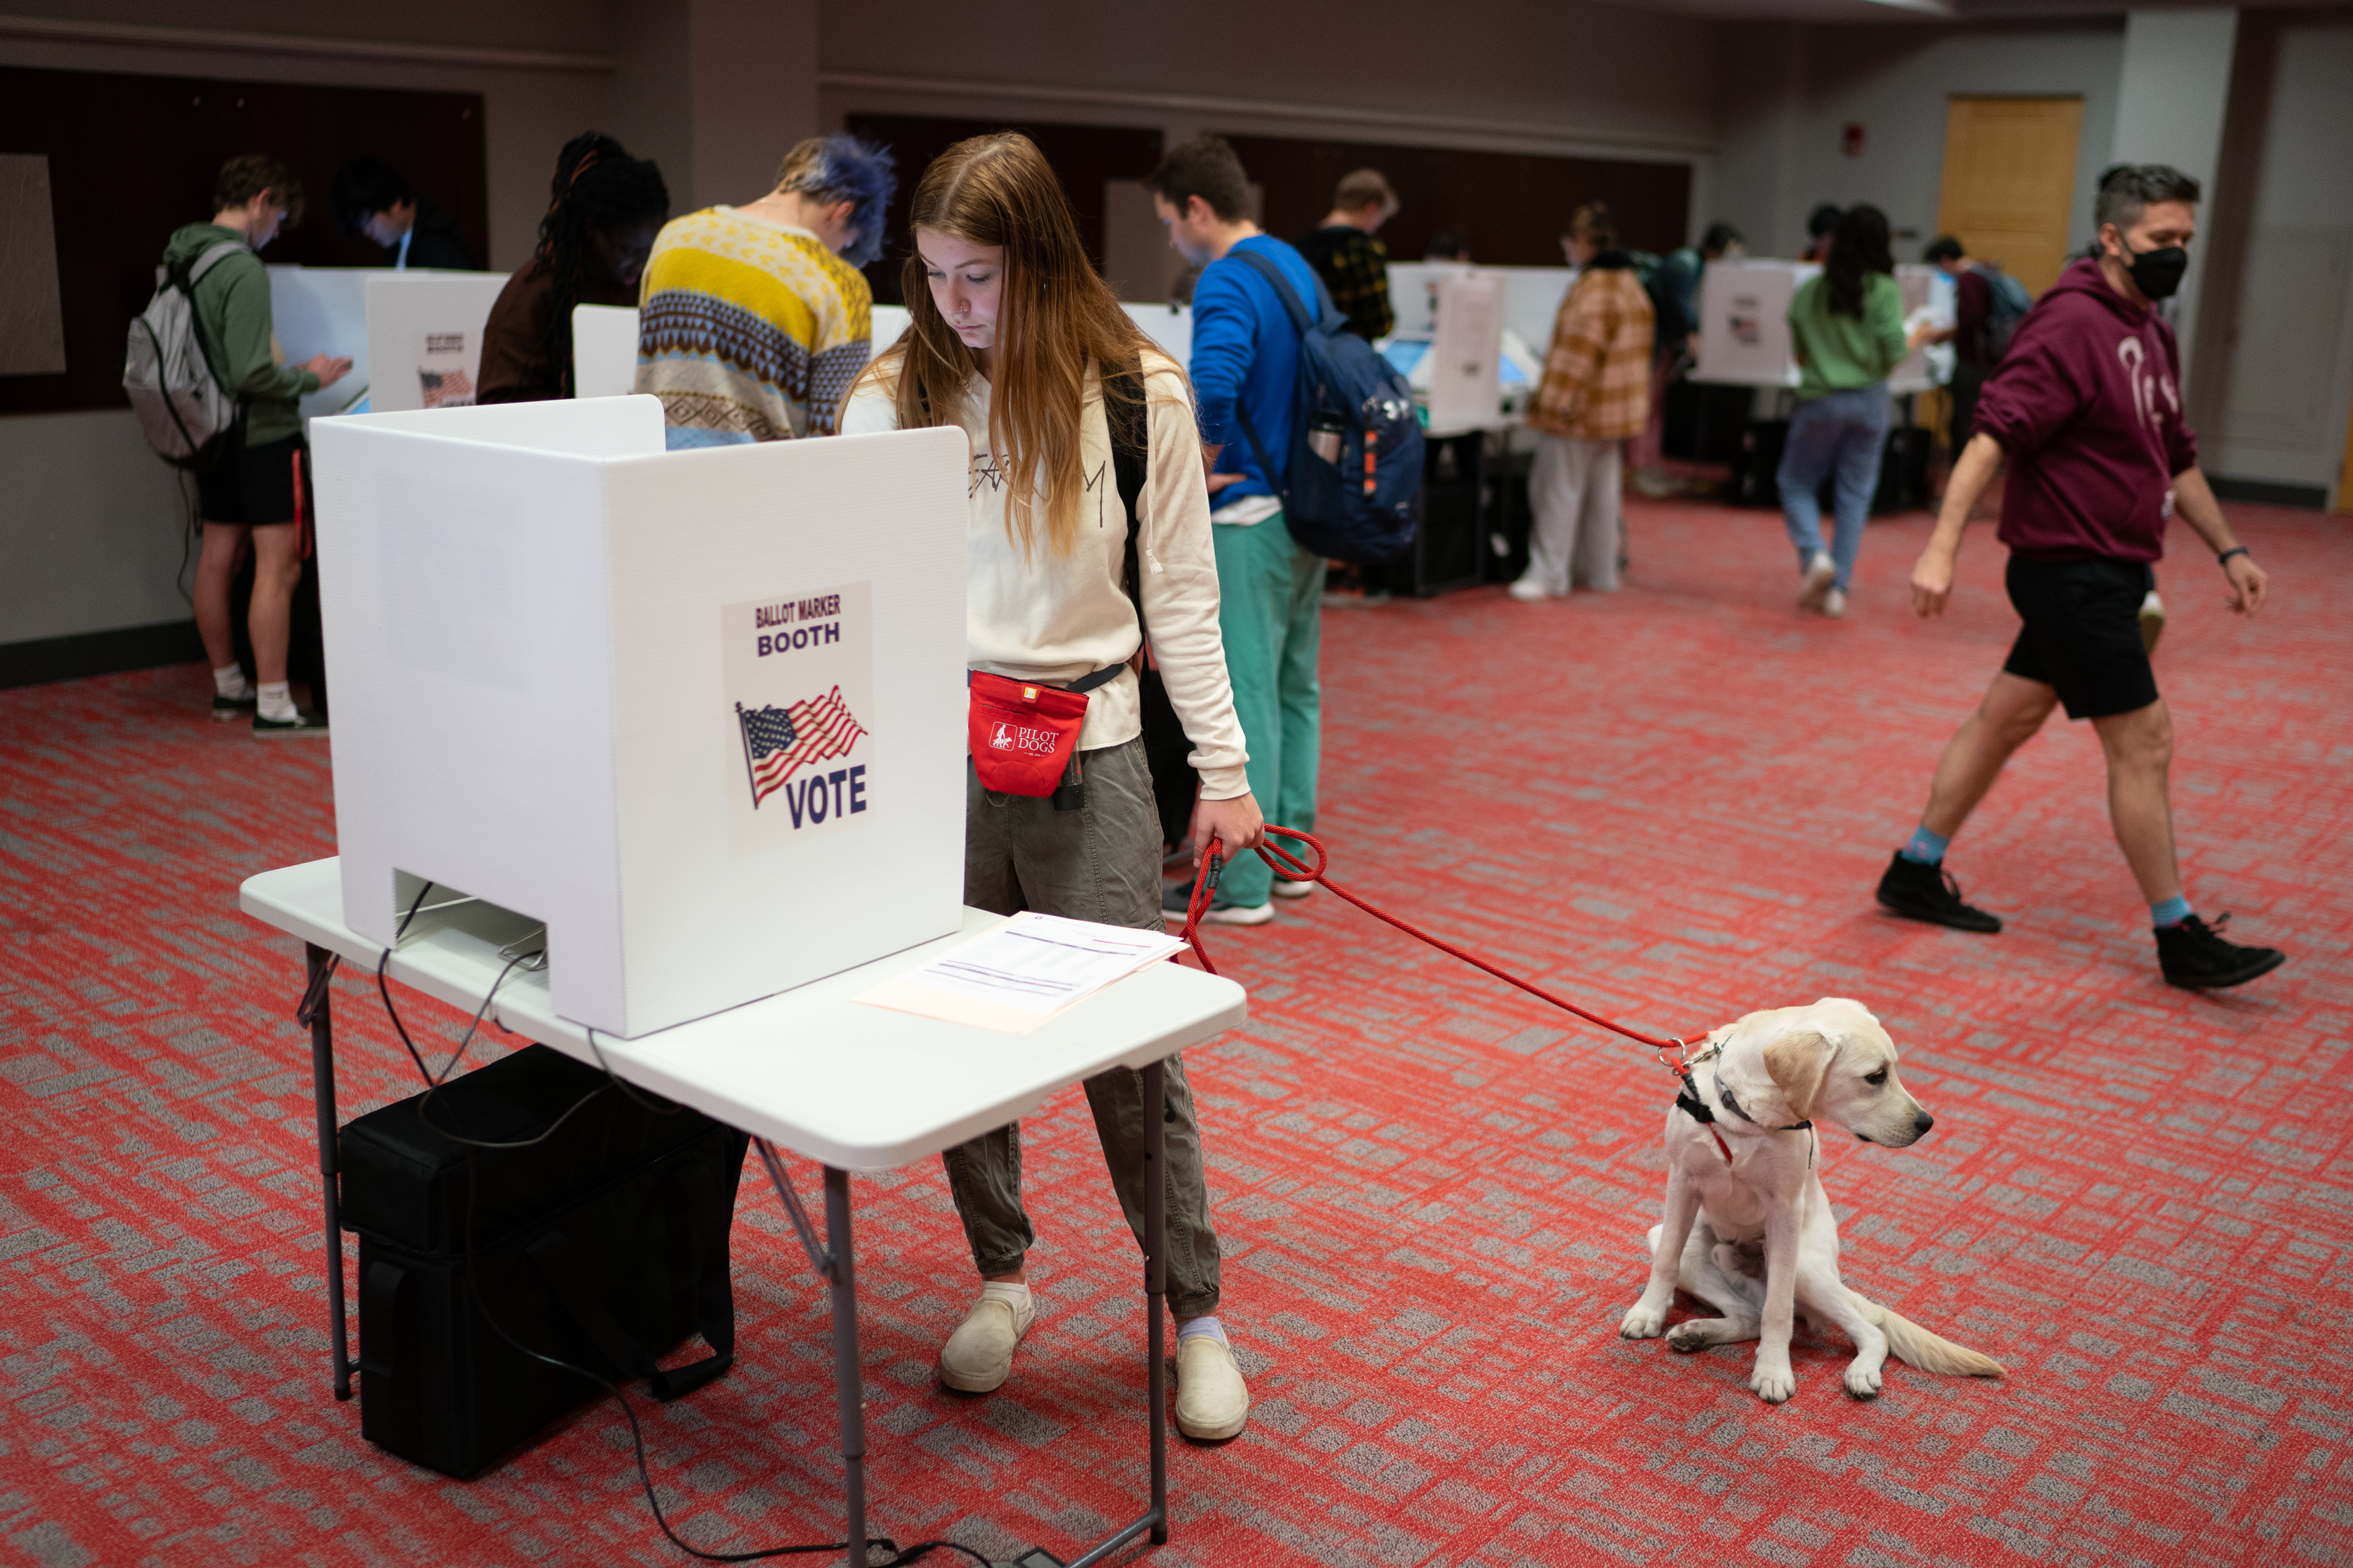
(778, 741)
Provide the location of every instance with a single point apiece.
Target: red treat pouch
(1022, 735)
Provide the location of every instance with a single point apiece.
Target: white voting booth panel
(888, 324)
(323, 310)
(425, 337)
(702, 712)
(604, 350)
(1169, 326)
(1532, 296)
(1465, 378)
(1744, 335)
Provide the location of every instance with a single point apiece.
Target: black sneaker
(1176, 897)
(303, 725)
(1919, 892)
(2194, 955)
(227, 707)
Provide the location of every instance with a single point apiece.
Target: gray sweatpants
(1099, 863)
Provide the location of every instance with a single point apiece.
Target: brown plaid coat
(1596, 374)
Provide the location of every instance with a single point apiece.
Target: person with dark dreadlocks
(605, 211)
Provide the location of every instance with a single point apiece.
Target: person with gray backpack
(204, 372)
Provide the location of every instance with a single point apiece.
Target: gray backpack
(181, 405)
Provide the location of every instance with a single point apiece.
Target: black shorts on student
(253, 485)
(2081, 636)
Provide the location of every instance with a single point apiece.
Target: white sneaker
(2152, 621)
(1528, 591)
(978, 1356)
(1283, 890)
(1212, 1401)
(1834, 602)
(1821, 573)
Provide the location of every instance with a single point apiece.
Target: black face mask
(2157, 273)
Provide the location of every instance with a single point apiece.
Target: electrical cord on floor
(433, 1083)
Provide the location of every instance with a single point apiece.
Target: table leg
(848, 1390)
(1156, 1291)
(1156, 1281)
(322, 1095)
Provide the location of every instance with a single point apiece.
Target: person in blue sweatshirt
(1271, 591)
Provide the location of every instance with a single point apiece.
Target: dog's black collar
(1724, 1093)
(1691, 1105)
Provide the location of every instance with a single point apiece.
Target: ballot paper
(1015, 977)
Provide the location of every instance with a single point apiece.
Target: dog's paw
(1861, 1381)
(1773, 1384)
(1642, 1321)
(1688, 1336)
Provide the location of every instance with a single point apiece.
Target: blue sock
(2171, 912)
(1203, 1326)
(1926, 847)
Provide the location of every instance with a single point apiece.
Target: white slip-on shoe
(1283, 890)
(2152, 621)
(1528, 591)
(1834, 602)
(978, 1356)
(1821, 573)
(1212, 1401)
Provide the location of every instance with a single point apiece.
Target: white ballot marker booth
(425, 338)
(1466, 353)
(730, 683)
(691, 725)
(1744, 335)
(323, 310)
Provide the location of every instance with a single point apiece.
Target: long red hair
(1054, 317)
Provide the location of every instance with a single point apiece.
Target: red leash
(1290, 869)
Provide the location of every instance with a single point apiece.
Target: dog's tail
(1916, 1346)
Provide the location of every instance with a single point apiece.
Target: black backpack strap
(1131, 446)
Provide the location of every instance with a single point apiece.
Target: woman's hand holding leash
(1236, 822)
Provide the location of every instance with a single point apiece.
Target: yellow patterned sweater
(749, 331)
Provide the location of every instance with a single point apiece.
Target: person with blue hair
(755, 320)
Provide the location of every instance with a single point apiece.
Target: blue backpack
(1352, 488)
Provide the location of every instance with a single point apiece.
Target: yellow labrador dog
(1748, 1229)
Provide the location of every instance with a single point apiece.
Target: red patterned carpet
(1432, 1190)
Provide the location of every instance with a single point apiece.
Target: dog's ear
(1797, 1063)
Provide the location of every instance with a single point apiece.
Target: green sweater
(232, 309)
(1839, 353)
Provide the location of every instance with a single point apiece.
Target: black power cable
(433, 1082)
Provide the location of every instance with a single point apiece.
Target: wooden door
(2009, 182)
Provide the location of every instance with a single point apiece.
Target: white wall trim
(59, 29)
(1548, 138)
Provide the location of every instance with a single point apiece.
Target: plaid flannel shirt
(1356, 267)
(1597, 375)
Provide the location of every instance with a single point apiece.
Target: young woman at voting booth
(1018, 342)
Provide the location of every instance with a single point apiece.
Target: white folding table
(852, 1087)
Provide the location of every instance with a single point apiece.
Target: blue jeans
(1844, 433)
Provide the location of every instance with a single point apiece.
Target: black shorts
(2081, 636)
(251, 484)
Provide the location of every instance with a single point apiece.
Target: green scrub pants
(1271, 611)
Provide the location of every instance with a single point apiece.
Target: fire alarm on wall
(1851, 140)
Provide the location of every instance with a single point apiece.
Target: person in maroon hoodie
(2086, 407)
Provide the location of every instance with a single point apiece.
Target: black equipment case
(602, 1243)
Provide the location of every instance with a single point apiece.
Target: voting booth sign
(699, 712)
(425, 337)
